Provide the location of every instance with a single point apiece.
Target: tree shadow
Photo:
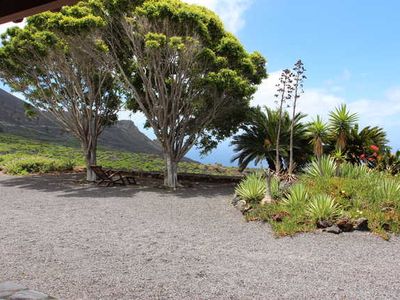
(72, 185)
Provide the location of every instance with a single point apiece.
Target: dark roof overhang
(16, 10)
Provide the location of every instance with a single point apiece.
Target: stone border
(10, 290)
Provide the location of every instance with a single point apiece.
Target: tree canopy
(54, 62)
(192, 79)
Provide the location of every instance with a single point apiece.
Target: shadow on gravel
(71, 185)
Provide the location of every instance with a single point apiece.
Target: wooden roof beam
(17, 10)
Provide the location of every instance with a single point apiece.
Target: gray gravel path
(80, 242)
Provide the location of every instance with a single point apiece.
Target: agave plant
(276, 191)
(324, 167)
(348, 170)
(252, 189)
(296, 196)
(388, 190)
(323, 208)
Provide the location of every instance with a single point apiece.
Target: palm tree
(341, 122)
(257, 140)
(317, 131)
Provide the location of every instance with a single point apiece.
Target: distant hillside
(122, 136)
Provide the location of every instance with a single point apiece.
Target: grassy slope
(15, 151)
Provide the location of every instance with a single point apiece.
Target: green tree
(317, 131)
(54, 62)
(191, 78)
(256, 142)
(341, 121)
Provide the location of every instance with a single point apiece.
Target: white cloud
(230, 11)
(4, 27)
(313, 102)
(382, 112)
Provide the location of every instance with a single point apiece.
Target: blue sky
(350, 49)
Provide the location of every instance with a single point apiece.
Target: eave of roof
(16, 10)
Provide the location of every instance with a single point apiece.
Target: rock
(333, 229)
(29, 295)
(324, 224)
(241, 205)
(235, 200)
(266, 200)
(345, 225)
(247, 209)
(361, 224)
(8, 288)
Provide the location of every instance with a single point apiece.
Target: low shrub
(252, 189)
(15, 147)
(36, 164)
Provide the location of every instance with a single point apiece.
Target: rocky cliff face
(124, 135)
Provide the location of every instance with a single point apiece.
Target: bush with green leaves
(323, 167)
(252, 189)
(323, 208)
(37, 164)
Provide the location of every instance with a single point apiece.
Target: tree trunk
(268, 196)
(171, 170)
(91, 160)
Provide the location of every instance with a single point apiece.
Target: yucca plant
(296, 196)
(323, 208)
(323, 167)
(252, 189)
(276, 191)
(388, 191)
(348, 170)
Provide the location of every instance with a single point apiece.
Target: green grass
(370, 194)
(21, 156)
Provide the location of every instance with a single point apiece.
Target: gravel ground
(81, 242)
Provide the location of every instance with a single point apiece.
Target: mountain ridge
(123, 135)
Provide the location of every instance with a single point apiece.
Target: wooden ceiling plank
(18, 15)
